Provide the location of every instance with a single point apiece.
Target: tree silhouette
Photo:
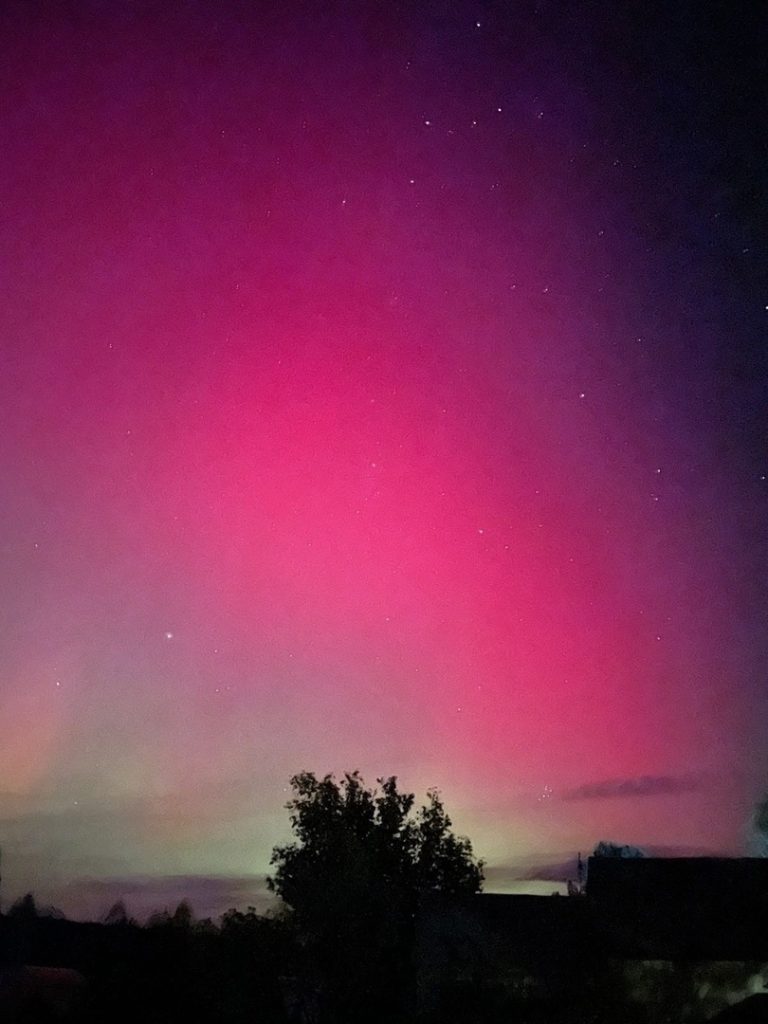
(118, 915)
(353, 877)
(607, 849)
(183, 916)
(159, 919)
(24, 909)
(353, 840)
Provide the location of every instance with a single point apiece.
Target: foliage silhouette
(607, 849)
(356, 838)
(25, 908)
(353, 879)
(183, 917)
(117, 915)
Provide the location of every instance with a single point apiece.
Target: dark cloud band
(643, 785)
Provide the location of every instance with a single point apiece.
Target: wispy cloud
(642, 785)
(516, 879)
(553, 871)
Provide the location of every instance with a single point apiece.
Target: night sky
(383, 387)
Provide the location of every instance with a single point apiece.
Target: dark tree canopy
(25, 908)
(350, 837)
(353, 876)
(607, 849)
(117, 914)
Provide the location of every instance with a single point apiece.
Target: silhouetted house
(680, 908)
(649, 920)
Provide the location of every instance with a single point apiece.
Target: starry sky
(383, 387)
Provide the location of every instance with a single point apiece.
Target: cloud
(558, 871)
(513, 879)
(642, 785)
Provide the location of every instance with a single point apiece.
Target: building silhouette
(687, 919)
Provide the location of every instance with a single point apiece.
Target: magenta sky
(380, 389)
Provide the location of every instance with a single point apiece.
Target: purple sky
(383, 387)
